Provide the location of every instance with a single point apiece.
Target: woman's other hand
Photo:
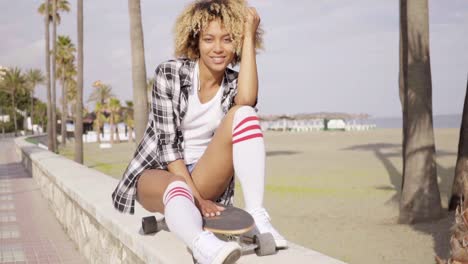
(251, 22)
(209, 208)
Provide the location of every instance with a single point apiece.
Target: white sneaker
(208, 249)
(263, 223)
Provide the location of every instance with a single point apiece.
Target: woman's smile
(218, 59)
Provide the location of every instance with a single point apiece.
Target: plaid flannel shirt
(162, 142)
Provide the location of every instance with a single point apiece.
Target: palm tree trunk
(460, 188)
(63, 127)
(13, 103)
(54, 63)
(117, 136)
(50, 127)
(112, 128)
(138, 68)
(420, 199)
(2, 121)
(32, 110)
(98, 128)
(79, 90)
(401, 76)
(130, 134)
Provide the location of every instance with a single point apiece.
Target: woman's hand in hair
(251, 22)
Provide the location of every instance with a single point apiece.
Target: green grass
(32, 140)
(112, 161)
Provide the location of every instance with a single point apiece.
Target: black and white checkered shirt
(162, 142)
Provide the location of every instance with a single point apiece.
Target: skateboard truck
(151, 225)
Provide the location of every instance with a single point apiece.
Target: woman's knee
(242, 109)
(175, 178)
(245, 114)
(239, 113)
(151, 187)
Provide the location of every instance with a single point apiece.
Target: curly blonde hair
(199, 14)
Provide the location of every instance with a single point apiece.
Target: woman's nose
(218, 46)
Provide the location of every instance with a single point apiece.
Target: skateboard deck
(233, 224)
(231, 221)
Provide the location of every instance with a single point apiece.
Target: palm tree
(57, 7)
(138, 68)
(458, 247)
(50, 126)
(114, 109)
(99, 110)
(79, 90)
(460, 188)
(420, 197)
(149, 89)
(40, 109)
(66, 70)
(61, 6)
(33, 78)
(128, 119)
(12, 83)
(101, 94)
(71, 96)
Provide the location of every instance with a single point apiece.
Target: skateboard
(234, 224)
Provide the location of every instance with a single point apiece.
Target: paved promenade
(29, 232)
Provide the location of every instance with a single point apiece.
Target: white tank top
(200, 121)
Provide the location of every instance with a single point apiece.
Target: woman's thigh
(214, 170)
(151, 187)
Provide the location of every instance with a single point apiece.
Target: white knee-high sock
(182, 216)
(249, 156)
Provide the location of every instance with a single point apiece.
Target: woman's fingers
(252, 20)
(210, 209)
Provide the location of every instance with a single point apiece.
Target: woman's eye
(228, 40)
(208, 40)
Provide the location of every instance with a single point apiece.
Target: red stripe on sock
(177, 189)
(247, 138)
(178, 194)
(247, 129)
(247, 119)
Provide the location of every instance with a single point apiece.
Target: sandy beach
(338, 192)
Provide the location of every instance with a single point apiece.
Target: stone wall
(80, 197)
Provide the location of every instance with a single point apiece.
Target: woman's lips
(218, 60)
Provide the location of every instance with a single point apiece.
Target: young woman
(202, 129)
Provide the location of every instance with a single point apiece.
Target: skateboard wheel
(265, 244)
(149, 225)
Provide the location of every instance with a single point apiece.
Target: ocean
(440, 121)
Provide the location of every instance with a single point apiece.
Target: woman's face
(216, 47)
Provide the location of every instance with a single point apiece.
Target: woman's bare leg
(164, 192)
(214, 169)
(151, 187)
(237, 144)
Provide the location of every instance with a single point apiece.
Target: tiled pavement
(29, 232)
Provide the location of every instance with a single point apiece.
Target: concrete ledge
(81, 200)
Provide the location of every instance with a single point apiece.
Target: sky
(319, 56)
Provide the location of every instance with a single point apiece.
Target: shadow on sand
(438, 229)
(281, 153)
